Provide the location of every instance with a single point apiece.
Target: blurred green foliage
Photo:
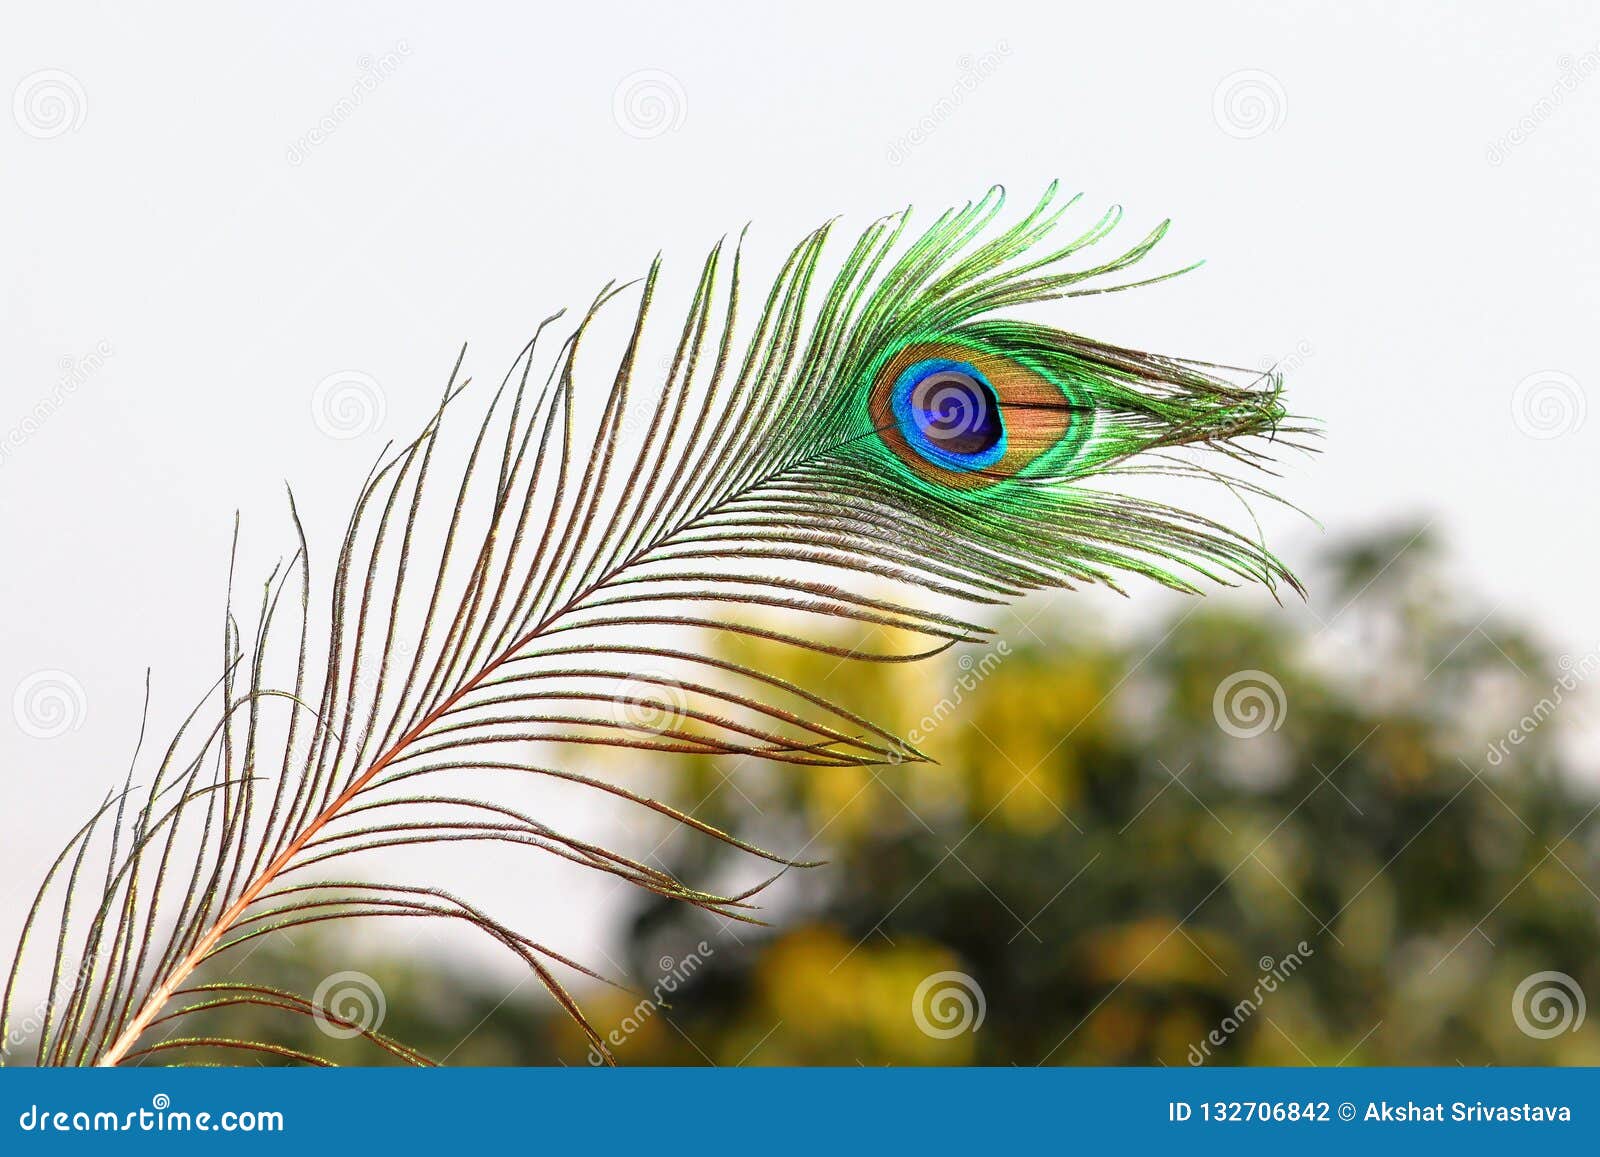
(1115, 871)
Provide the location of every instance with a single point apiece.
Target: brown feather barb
(539, 590)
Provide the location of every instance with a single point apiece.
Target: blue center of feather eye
(949, 413)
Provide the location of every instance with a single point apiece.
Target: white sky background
(1360, 229)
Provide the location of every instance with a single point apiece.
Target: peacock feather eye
(964, 415)
(908, 442)
(947, 411)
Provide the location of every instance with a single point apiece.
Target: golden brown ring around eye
(1033, 415)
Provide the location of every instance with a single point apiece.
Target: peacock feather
(877, 445)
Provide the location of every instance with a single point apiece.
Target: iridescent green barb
(849, 458)
(811, 450)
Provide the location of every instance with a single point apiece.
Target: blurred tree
(1239, 837)
(1126, 845)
